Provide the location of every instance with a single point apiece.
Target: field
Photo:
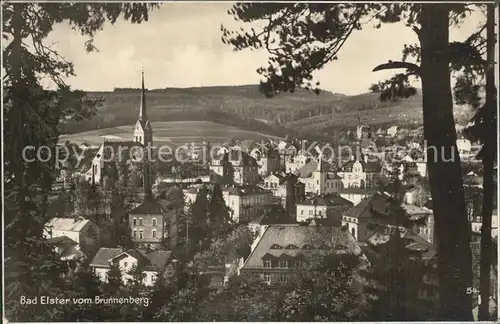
(173, 133)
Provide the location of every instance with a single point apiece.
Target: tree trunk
(452, 227)
(489, 152)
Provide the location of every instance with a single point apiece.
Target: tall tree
(218, 214)
(302, 38)
(32, 117)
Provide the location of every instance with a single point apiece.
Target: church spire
(142, 113)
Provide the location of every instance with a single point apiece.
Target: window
(135, 221)
(135, 234)
(283, 264)
(154, 234)
(153, 278)
(291, 247)
(298, 263)
(267, 278)
(319, 213)
(267, 264)
(125, 264)
(106, 277)
(141, 234)
(276, 247)
(140, 221)
(154, 221)
(283, 277)
(353, 232)
(317, 182)
(302, 212)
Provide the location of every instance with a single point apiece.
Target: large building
(235, 166)
(283, 248)
(359, 173)
(246, 202)
(318, 180)
(152, 226)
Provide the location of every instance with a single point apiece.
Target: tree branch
(412, 68)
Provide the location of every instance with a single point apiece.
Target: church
(113, 152)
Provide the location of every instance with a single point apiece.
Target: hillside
(244, 107)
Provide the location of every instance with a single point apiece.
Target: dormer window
(267, 264)
(291, 247)
(283, 263)
(276, 247)
(308, 247)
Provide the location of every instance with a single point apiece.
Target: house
(359, 172)
(67, 249)
(273, 215)
(268, 161)
(317, 179)
(372, 210)
(355, 195)
(464, 146)
(325, 206)
(283, 248)
(151, 225)
(237, 165)
(296, 162)
(362, 131)
(392, 131)
(81, 231)
(424, 221)
(246, 202)
(152, 263)
(477, 223)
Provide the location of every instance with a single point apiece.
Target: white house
(323, 207)
(80, 230)
(392, 131)
(246, 202)
(464, 146)
(359, 173)
(152, 263)
(317, 180)
(296, 162)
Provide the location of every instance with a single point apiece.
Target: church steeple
(142, 113)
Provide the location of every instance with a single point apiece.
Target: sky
(180, 46)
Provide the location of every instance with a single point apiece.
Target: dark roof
(326, 200)
(104, 255)
(317, 237)
(149, 206)
(61, 241)
(309, 168)
(272, 216)
(370, 206)
(245, 190)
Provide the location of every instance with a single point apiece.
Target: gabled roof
(285, 235)
(104, 255)
(245, 190)
(307, 170)
(67, 224)
(370, 207)
(326, 200)
(149, 206)
(152, 260)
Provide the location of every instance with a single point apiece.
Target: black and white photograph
(223, 161)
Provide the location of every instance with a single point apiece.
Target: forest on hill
(302, 113)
